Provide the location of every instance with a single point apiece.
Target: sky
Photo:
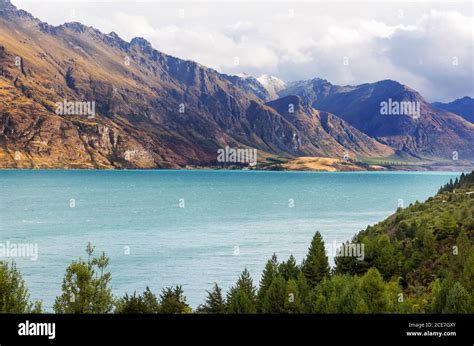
(427, 45)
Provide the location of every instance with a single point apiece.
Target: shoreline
(184, 170)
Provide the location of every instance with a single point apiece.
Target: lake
(191, 228)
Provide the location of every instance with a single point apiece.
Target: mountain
(432, 134)
(463, 107)
(153, 110)
(249, 84)
(150, 109)
(327, 131)
(272, 84)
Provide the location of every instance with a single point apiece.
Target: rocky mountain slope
(433, 134)
(463, 107)
(151, 109)
(272, 84)
(326, 130)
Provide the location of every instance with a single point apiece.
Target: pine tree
(268, 275)
(215, 303)
(317, 299)
(316, 265)
(173, 301)
(242, 297)
(147, 303)
(293, 303)
(289, 269)
(238, 302)
(274, 300)
(304, 291)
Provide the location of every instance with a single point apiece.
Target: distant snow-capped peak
(272, 84)
(244, 75)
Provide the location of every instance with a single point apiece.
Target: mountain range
(153, 110)
(463, 107)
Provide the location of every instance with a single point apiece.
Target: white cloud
(412, 42)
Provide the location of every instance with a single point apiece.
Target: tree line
(419, 260)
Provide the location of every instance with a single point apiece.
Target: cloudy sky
(427, 45)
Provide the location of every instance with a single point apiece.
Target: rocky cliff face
(433, 133)
(328, 132)
(463, 107)
(152, 110)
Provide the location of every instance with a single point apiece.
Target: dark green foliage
(146, 303)
(14, 296)
(269, 273)
(242, 297)
(349, 264)
(421, 243)
(316, 265)
(304, 291)
(173, 301)
(446, 226)
(289, 269)
(293, 298)
(275, 298)
(338, 294)
(465, 181)
(215, 302)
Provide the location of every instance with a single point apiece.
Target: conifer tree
(147, 303)
(293, 303)
(215, 302)
(173, 301)
(289, 269)
(274, 300)
(268, 275)
(242, 297)
(304, 291)
(316, 265)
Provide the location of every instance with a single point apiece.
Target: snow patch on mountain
(272, 84)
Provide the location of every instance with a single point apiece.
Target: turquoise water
(230, 220)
